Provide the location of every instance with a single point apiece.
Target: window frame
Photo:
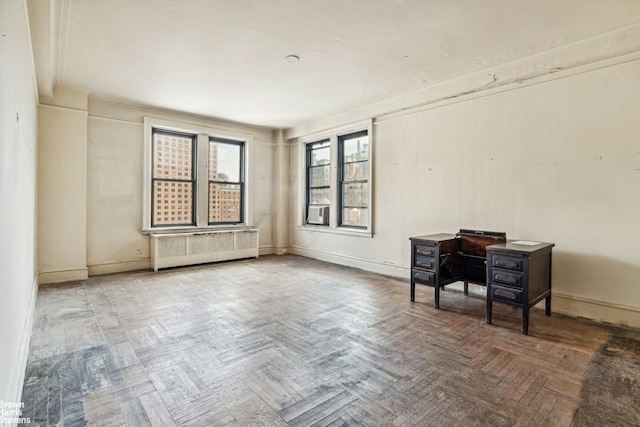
(309, 147)
(193, 179)
(341, 179)
(335, 218)
(240, 182)
(201, 168)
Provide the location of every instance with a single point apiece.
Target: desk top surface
(439, 237)
(523, 246)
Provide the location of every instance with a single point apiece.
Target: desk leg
(413, 291)
(489, 307)
(466, 288)
(437, 296)
(547, 305)
(525, 319)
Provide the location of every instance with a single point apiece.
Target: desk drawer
(424, 277)
(506, 277)
(425, 262)
(499, 293)
(425, 250)
(511, 263)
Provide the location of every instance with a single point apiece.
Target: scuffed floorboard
(291, 341)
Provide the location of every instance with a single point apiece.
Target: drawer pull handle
(504, 278)
(425, 252)
(508, 295)
(425, 264)
(506, 263)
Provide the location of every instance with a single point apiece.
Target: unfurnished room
(319, 213)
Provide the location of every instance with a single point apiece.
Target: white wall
(555, 159)
(18, 137)
(62, 187)
(91, 166)
(114, 183)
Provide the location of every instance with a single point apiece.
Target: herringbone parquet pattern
(290, 341)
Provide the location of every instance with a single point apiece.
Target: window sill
(198, 230)
(336, 230)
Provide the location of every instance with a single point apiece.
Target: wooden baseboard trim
(570, 305)
(119, 267)
(19, 371)
(59, 276)
(364, 264)
(600, 311)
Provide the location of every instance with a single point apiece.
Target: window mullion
(334, 173)
(202, 180)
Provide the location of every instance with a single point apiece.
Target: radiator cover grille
(173, 250)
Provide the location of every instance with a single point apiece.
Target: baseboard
(119, 267)
(387, 269)
(266, 250)
(139, 264)
(63, 275)
(18, 376)
(570, 305)
(600, 311)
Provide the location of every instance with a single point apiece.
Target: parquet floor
(291, 341)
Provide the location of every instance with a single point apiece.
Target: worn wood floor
(290, 341)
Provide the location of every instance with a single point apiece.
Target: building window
(338, 186)
(173, 174)
(353, 201)
(226, 181)
(318, 178)
(194, 177)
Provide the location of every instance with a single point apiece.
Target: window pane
(172, 203)
(224, 161)
(224, 203)
(321, 156)
(319, 176)
(319, 196)
(172, 156)
(356, 171)
(355, 149)
(358, 217)
(355, 195)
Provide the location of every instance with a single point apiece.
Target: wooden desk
(517, 273)
(430, 257)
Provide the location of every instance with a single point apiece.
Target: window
(226, 184)
(318, 174)
(353, 200)
(173, 179)
(337, 173)
(194, 177)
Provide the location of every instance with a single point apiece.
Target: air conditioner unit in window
(318, 215)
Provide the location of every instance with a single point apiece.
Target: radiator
(172, 250)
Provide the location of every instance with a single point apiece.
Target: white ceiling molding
(49, 24)
(63, 14)
(41, 22)
(614, 47)
(227, 60)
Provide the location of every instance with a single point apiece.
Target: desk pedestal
(519, 275)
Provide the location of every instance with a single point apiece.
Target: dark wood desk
(517, 273)
(430, 257)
